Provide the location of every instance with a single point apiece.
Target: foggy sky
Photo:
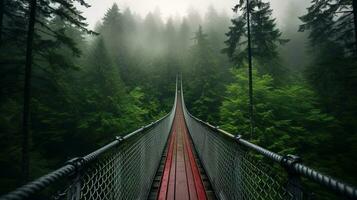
(282, 8)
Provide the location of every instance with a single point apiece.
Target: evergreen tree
(129, 31)
(332, 72)
(266, 38)
(332, 21)
(12, 59)
(202, 85)
(184, 34)
(103, 91)
(294, 54)
(170, 52)
(103, 76)
(38, 48)
(112, 32)
(152, 34)
(216, 25)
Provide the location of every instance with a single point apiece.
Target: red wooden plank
(201, 194)
(181, 189)
(166, 173)
(189, 175)
(171, 186)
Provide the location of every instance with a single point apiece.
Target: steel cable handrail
(291, 189)
(125, 153)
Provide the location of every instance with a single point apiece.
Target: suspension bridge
(182, 157)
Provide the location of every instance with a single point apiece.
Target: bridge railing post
(293, 186)
(74, 190)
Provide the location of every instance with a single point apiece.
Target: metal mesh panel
(233, 172)
(127, 171)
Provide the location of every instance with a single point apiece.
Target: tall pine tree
(111, 30)
(266, 38)
(203, 81)
(32, 19)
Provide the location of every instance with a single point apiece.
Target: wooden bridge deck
(181, 175)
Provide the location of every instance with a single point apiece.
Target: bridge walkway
(180, 175)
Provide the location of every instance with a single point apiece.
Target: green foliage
(287, 119)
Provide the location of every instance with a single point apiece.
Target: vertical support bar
(116, 178)
(294, 185)
(123, 175)
(203, 146)
(142, 166)
(238, 179)
(74, 192)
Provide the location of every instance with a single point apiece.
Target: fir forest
(129, 99)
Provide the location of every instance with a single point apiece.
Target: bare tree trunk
(2, 9)
(27, 94)
(354, 5)
(250, 73)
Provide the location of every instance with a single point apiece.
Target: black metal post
(27, 94)
(293, 186)
(74, 191)
(250, 73)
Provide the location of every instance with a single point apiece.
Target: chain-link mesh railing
(241, 170)
(127, 171)
(123, 169)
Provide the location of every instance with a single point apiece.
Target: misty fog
(195, 13)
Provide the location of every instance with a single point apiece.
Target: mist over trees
(89, 88)
(295, 54)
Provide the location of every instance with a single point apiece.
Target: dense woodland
(89, 86)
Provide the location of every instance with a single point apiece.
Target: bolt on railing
(236, 170)
(123, 169)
